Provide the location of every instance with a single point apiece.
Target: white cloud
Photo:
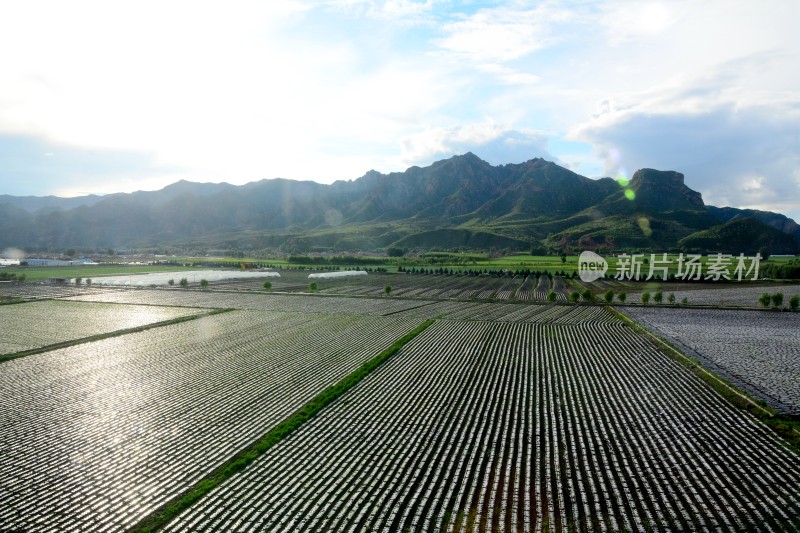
(628, 21)
(502, 34)
(492, 142)
(738, 153)
(402, 11)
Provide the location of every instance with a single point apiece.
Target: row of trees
(776, 300)
(622, 297)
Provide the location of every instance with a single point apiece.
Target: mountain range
(458, 203)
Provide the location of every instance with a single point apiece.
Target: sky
(99, 97)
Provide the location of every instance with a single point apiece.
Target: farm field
(43, 291)
(438, 286)
(257, 302)
(362, 306)
(94, 436)
(759, 351)
(507, 414)
(32, 325)
(488, 426)
(730, 295)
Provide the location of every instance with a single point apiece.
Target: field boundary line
(108, 335)
(690, 363)
(166, 512)
(411, 308)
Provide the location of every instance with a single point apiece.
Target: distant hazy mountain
(460, 202)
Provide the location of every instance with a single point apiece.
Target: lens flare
(622, 178)
(629, 194)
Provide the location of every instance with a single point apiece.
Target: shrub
(622, 296)
(203, 283)
(794, 303)
(551, 296)
(609, 296)
(171, 282)
(184, 282)
(313, 286)
(267, 285)
(78, 280)
(658, 297)
(764, 299)
(645, 297)
(587, 295)
(88, 281)
(574, 297)
(685, 301)
(671, 298)
(388, 290)
(777, 299)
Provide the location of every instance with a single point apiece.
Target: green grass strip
(101, 336)
(785, 426)
(161, 516)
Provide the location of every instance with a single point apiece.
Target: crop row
(439, 286)
(757, 350)
(257, 302)
(43, 291)
(97, 435)
(518, 427)
(541, 313)
(35, 324)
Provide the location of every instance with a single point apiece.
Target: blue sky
(100, 97)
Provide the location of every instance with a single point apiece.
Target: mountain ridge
(459, 202)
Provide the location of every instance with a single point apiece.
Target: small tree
(794, 303)
(658, 297)
(89, 281)
(764, 299)
(587, 295)
(388, 290)
(622, 296)
(183, 282)
(171, 282)
(777, 300)
(609, 296)
(563, 257)
(267, 285)
(574, 297)
(645, 297)
(204, 284)
(551, 296)
(684, 301)
(78, 280)
(313, 286)
(671, 298)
